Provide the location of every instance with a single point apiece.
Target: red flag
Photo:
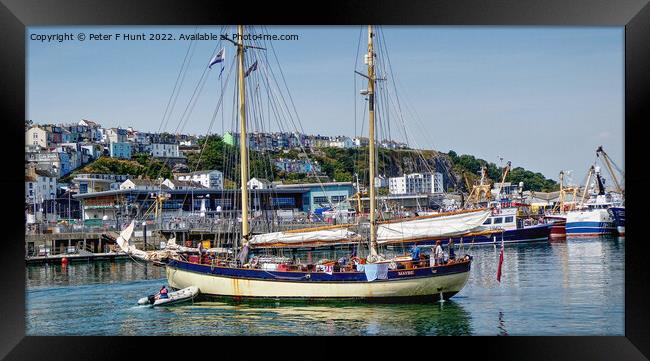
(500, 262)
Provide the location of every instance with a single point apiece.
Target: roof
(177, 183)
(261, 180)
(198, 172)
(147, 182)
(311, 185)
(217, 193)
(44, 173)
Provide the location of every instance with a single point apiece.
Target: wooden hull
(417, 284)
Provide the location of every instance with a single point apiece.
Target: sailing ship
(373, 278)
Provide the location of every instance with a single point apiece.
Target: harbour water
(571, 287)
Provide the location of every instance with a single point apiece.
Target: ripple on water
(567, 288)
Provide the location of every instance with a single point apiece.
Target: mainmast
(243, 150)
(371, 145)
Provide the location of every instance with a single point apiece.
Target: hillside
(337, 164)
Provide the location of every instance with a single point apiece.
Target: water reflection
(447, 318)
(574, 287)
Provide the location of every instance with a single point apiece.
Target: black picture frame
(16, 15)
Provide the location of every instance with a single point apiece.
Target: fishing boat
(603, 213)
(618, 215)
(502, 222)
(592, 217)
(373, 278)
(557, 216)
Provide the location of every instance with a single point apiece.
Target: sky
(543, 98)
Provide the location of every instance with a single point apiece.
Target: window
(498, 220)
(488, 221)
(509, 219)
(320, 199)
(284, 201)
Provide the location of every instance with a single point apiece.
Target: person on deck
(438, 253)
(452, 253)
(415, 253)
(163, 292)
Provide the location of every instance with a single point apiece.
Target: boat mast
(243, 150)
(609, 167)
(371, 145)
(584, 193)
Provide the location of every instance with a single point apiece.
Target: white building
(36, 136)
(116, 135)
(342, 142)
(142, 184)
(416, 183)
(177, 184)
(258, 183)
(208, 178)
(90, 183)
(163, 150)
(381, 182)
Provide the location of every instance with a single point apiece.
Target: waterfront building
(415, 183)
(208, 178)
(121, 150)
(91, 183)
(323, 195)
(114, 205)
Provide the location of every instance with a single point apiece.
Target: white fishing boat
(374, 278)
(592, 217)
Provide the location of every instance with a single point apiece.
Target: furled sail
(293, 237)
(440, 225)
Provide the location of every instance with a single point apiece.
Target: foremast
(243, 150)
(371, 145)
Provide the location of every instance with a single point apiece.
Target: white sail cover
(125, 236)
(327, 235)
(442, 226)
